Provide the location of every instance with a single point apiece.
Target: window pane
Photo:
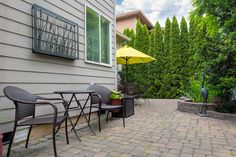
(92, 35)
(105, 47)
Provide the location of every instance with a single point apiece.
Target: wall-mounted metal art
(54, 34)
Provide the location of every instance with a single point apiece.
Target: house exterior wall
(126, 23)
(42, 74)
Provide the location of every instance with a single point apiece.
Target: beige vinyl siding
(41, 74)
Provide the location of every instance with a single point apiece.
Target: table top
(129, 96)
(74, 92)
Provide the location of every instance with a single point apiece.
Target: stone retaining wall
(193, 107)
(223, 116)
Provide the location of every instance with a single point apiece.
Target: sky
(156, 10)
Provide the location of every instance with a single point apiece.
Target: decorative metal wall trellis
(54, 34)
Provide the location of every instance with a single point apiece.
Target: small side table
(129, 107)
(80, 106)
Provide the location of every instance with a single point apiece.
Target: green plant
(116, 95)
(195, 94)
(220, 49)
(194, 91)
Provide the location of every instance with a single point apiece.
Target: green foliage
(152, 43)
(167, 36)
(140, 41)
(165, 80)
(131, 34)
(194, 91)
(116, 95)
(184, 54)
(142, 44)
(155, 68)
(208, 45)
(220, 48)
(174, 60)
(142, 38)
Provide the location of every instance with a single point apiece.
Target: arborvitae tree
(138, 38)
(167, 36)
(197, 40)
(127, 32)
(163, 92)
(176, 84)
(139, 41)
(151, 42)
(130, 33)
(132, 36)
(184, 55)
(142, 38)
(141, 44)
(151, 74)
(191, 38)
(155, 68)
(158, 42)
(159, 55)
(145, 37)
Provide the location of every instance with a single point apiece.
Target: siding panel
(42, 74)
(11, 51)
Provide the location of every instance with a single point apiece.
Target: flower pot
(116, 102)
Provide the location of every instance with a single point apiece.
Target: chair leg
(66, 131)
(107, 116)
(90, 110)
(12, 138)
(54, 140)
(123, 116)
(123, 121)
(99, 121)
(28, 136)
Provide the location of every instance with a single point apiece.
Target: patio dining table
(79, 106)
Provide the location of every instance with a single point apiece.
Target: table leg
(82, 109)
(82, 113)
(68, 117)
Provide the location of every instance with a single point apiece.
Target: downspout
(116, 70)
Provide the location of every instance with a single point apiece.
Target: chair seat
(41, 120)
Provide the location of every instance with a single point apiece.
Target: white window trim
(110, 37)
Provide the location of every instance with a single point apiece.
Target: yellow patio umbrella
(128, 55)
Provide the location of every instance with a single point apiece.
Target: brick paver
(156, 130)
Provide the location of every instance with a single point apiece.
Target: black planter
(129, 107)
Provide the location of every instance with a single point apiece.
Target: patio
(156, 129)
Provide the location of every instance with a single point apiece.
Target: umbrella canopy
(129, 55)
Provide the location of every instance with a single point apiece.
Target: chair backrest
(18, 95)
(102, 91)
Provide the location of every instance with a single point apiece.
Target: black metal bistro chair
(101, 100)
(25, 103)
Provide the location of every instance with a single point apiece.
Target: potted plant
(115, 98)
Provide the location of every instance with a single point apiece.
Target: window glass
(105, 55)
(92, 35)
(97, 37)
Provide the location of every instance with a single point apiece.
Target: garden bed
(194, 107)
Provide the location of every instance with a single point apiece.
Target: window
(97, 37)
